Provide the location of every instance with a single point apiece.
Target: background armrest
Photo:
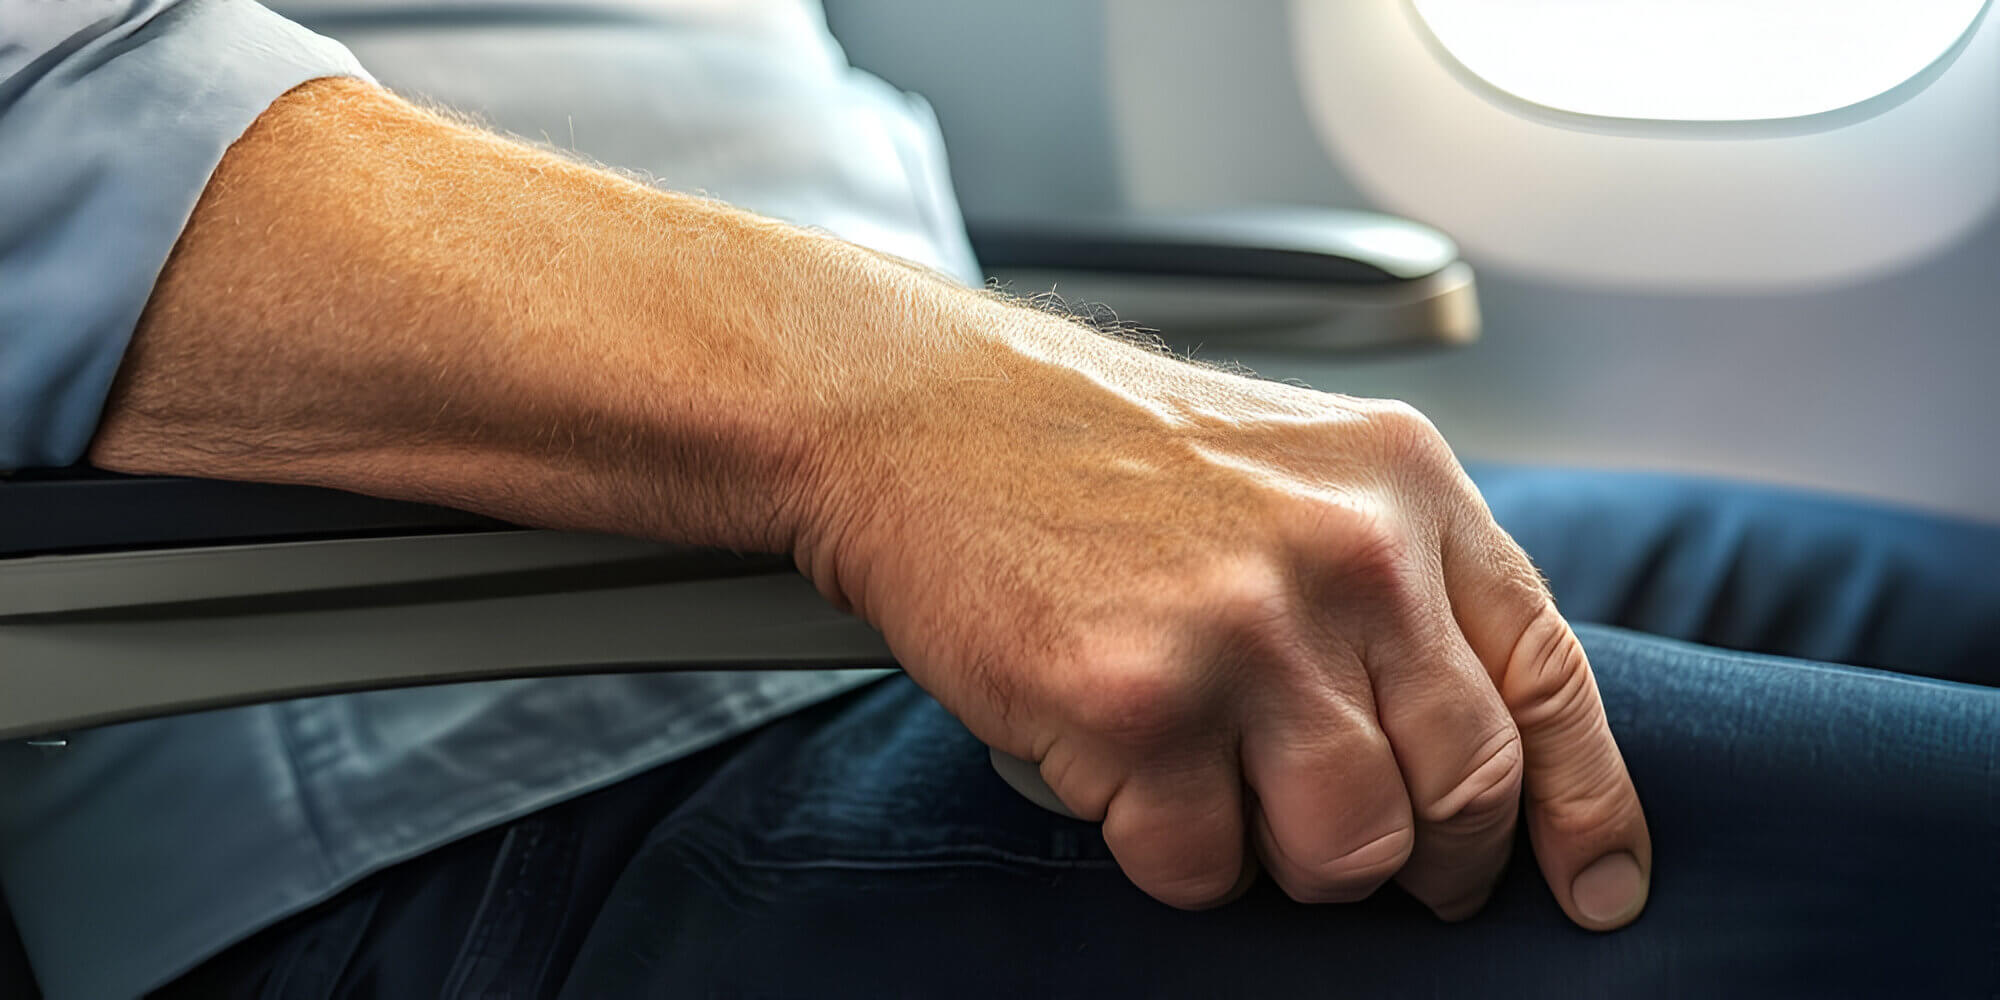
(1271, 279)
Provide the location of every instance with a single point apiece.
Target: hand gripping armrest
(124, 598)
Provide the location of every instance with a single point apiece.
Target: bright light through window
(1697, 60)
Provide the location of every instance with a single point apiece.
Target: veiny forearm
(371, 297)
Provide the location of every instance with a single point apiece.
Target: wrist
(988, 386)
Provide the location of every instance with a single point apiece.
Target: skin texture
(1244, 624)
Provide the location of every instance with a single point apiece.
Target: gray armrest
(105, 637)
(1292, 279)
(92, 639)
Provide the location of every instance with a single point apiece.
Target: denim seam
(479, 930)
(350, 926)
(563, 838)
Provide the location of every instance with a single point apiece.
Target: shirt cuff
(105, 146)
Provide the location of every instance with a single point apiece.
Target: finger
(1333, 819)
(1179, 835)
(1458, 751)
(1583, 815)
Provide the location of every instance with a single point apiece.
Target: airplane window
(1697, 60)
(1620, 202)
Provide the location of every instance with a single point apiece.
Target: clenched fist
(1239, 622)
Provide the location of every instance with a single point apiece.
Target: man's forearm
(373, 298)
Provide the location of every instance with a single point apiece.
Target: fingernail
(1610, 890)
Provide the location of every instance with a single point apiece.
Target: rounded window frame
(1509, 64)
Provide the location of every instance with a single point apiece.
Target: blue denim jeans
(1819, 829)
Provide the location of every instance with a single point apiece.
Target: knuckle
(1399, 417)
(1248, 597)
(1187, 854)
(1367, 544)
(1354, 873)
(1547, 680)
(1407, 434)
(1381, 546)
(1591, 810)
(1130, 697)
(1490, 790)
(1418, 463)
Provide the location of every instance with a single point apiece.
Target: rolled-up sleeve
(113, 115)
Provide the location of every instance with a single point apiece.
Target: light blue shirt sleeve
(145, 848)
(113, 114)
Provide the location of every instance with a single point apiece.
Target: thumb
(1583, 815)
